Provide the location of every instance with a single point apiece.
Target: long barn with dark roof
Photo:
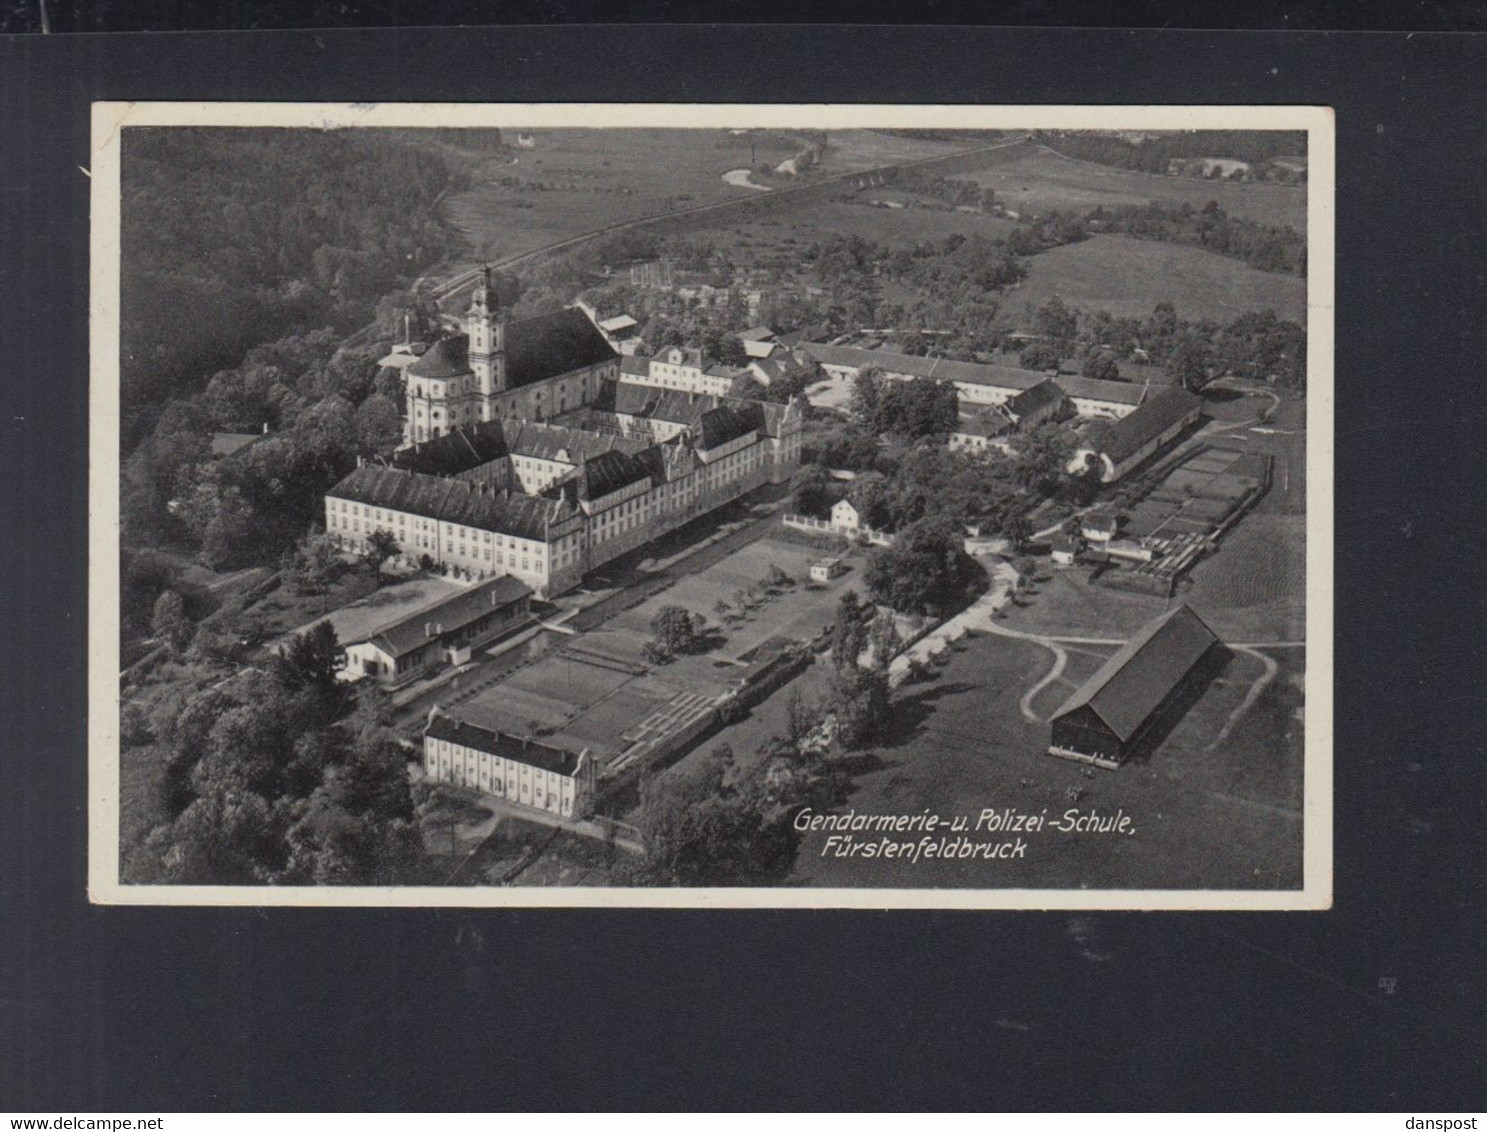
(1122, 704)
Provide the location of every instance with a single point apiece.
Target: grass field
(1128, 277)
(893, 227)
(1043, 180)
(595, 178)
(1254, 588)
(1205, 815)
(850, 150)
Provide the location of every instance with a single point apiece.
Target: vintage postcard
(879, 506)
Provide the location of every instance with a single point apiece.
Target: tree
(310, 661)
(924, 570)
(867, 391)
(1188, 362)
(169, 621)
(849, 630)
(859, 705)
(378, 423)
(1056, 322)
(699, 827)
(884, 640)
(1102, 367)
(382, 544)
(314, 564)
(1040, 356)
(677, 632)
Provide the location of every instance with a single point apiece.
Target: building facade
(547, 503)
(520, 770)
(531, 369)
(977, 384)
(446, 633)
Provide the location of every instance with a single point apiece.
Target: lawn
(1204, 815)
(1044, 180)
(1128, 277)
(1254, 587)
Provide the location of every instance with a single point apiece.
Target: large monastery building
(532, 369)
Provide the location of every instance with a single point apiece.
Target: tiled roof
(526, 751)
(1115, 392)
(638, 367)
(1043, 394)
(1119, 439)
(552, 344)
(462, 448)
(447, 357)
(227, 443)
(988, 423)
(942, 369)
(448, 500)
(449, 616)
(756, 334)
(608, 472)
(1133, 683)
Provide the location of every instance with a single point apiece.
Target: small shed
(824, 569)
(1065, 549)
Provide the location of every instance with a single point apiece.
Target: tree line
(234, 237)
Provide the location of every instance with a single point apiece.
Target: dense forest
(236, 237)
(1155, 154)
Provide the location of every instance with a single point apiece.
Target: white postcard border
(109, 118)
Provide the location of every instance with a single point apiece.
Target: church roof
(446, 358)
(550, 345)
(539, 348)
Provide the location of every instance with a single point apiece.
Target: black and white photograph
(769, 506)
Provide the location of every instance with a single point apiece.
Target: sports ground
(598, 690)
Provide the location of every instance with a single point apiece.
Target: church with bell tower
(530, 369)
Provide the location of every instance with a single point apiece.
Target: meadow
(1045, 180)
(1128, 277)
(594, 178)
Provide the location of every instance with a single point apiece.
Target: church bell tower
(486, 331)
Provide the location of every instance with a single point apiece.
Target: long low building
(1107, 719)
(549, 503)
(520, 770)
(1116, 447)
(977, 383)
(446, 633)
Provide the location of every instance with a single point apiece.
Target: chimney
(434, 713)
(360, 461)
(428, 629)
(265, 428)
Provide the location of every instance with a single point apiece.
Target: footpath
(976, 616)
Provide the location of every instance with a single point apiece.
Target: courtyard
(598, 689)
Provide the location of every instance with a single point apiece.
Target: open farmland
(1043, 180)
(1128, 277)
(848, 151)
(814, 223)
(593, 178)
